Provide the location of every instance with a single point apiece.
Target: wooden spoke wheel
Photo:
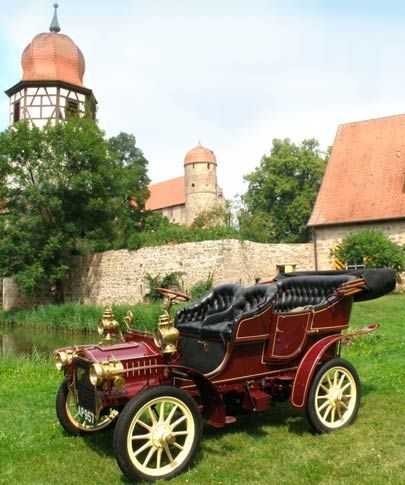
(334, 396)
(157, 434)
(68, 414)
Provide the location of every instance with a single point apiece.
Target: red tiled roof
(365, 176)
(166, 194)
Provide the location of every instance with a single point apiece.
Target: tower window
(16, 115)
(72, 108)
(208, 166)
(193, 185)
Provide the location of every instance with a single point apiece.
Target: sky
(233, 74)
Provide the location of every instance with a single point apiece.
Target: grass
(274, 447)
(76, 317)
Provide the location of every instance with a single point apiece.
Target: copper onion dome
(53, 57)
(200, 154)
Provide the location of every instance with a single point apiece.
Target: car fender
(306, 369)
(213, 407)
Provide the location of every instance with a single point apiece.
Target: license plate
(85, 414)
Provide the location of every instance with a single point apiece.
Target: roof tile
(365, 176)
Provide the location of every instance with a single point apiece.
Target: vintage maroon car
(238, 349)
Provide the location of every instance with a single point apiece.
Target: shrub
(202, 287)
(372, 248)
(169, 280)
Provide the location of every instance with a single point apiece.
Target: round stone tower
(201, 187)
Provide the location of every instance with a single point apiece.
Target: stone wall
(119, 276)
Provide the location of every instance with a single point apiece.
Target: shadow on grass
(280, 415)
(367, 389)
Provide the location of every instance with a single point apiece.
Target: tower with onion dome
(200, 182)
(51, 88)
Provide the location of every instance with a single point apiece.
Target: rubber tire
(124, 423)
(60, 406)
(310, 411)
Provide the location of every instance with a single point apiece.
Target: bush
(169, 280)
(202, 287)
(372, 248)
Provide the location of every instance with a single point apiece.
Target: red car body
(239, 350)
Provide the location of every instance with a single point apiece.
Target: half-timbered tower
(51, 88)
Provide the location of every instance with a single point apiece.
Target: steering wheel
(173, 295)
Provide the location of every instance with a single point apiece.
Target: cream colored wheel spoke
(345, 387)
(180, 433)
(143, 448)
(175, 444)
(144, 425)
(176, 423)
(162, 412)
(169, 454)
(328, 409)
(326, 389)
(159, 458)
(329, 381)
(152, 416)
(171, 414)
(149, 456)
(323, 405)
(141, 437)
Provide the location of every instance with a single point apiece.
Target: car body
(236, 350)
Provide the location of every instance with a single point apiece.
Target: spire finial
(55, 24)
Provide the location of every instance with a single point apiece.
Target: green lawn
(274, 447)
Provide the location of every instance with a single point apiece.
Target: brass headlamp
(107, 370)
(64, 358)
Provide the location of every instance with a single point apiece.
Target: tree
(282, 192)
(63, 193)
(372, 248)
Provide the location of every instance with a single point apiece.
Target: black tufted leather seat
(212, 308)
(249, 302)
(214, 316)
(303, 291)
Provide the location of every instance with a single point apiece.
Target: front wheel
(334, 396)
(157, 434)
(68, 413)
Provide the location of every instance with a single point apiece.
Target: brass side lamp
(109, 328)
(166, 335)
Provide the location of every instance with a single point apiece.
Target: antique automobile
(236, 350)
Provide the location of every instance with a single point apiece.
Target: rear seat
(307, 291)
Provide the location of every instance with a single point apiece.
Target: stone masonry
(328, 236)
(119, 276)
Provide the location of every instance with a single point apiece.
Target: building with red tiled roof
(181, 199)
(363, 186)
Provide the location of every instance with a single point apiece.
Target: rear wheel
(157, 434)
(334, 396)
(68, 413)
